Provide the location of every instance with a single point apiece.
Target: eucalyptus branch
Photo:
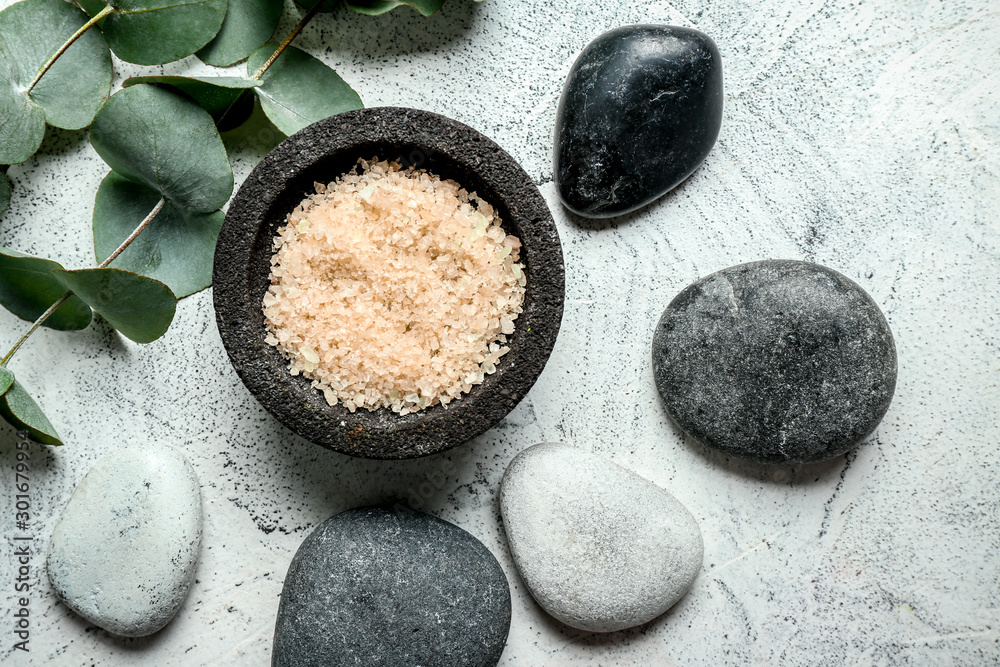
(61, 300)
(277, 52)
(288, 40)
(108, 9)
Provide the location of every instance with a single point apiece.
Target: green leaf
(176, 247)
(139, 307)
(23, 121)
(4, 192)
(256, 136)
(20, 411)
(298, 90)
(167, 142)
(153, 32)
(70, 92)
(216, 95)
(248, 25)
(328, 6)
(27, 289)
(376, 7)
(92, 7)
(6, 380)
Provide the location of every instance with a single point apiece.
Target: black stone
(641, 109)
(385, 587)
(776, 361)
(322, 152)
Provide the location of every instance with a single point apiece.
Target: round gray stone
(386, 587)
(124, 552)
(599, 547)
(775, 361)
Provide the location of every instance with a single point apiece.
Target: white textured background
(861, 134)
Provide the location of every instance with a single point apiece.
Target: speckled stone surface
(388, 586)
(323, 152)
(124, 552)
(641, 109)
(859, 135)
(775, 361)
(598, 546)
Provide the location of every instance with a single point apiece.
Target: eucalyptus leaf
(153, 32)
(216, 95)
(139, 307)
(159, 138)
(71, 91)
(328, 5)
(377, 7)
(4, 192)
(6, 380)
(176, 247)
(27, 289)
(20, 411)
(248, 25)
(23, 123)
(257, 136)
(92, 7)
(298, 90)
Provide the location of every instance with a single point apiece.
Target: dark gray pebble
(776, 361)
(640, 110)
(390, 587)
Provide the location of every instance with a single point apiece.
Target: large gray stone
(124, 552)
(598, 546)
(776, 361)
(385, 587)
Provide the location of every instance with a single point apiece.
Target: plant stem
(61, 300)
(288, 40)
(35, 325)
(135, 232)
(69, 42)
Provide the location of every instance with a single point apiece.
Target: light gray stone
(599, 547)
(124, 552)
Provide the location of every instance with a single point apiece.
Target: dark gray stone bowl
(322, 152)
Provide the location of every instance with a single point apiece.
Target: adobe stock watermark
(266, 138)
(419, 495)
(23, 542)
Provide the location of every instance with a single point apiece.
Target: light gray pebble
(124, 552)
(599, 547)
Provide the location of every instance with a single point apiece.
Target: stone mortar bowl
(321, 153)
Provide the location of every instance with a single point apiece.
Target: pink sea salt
(392, 288)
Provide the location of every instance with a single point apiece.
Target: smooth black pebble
(386, 587)
(641, 109)
(775, 361)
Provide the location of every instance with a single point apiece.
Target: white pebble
(124, 552)
(599, 547)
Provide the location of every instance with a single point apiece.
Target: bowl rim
(259, 207)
